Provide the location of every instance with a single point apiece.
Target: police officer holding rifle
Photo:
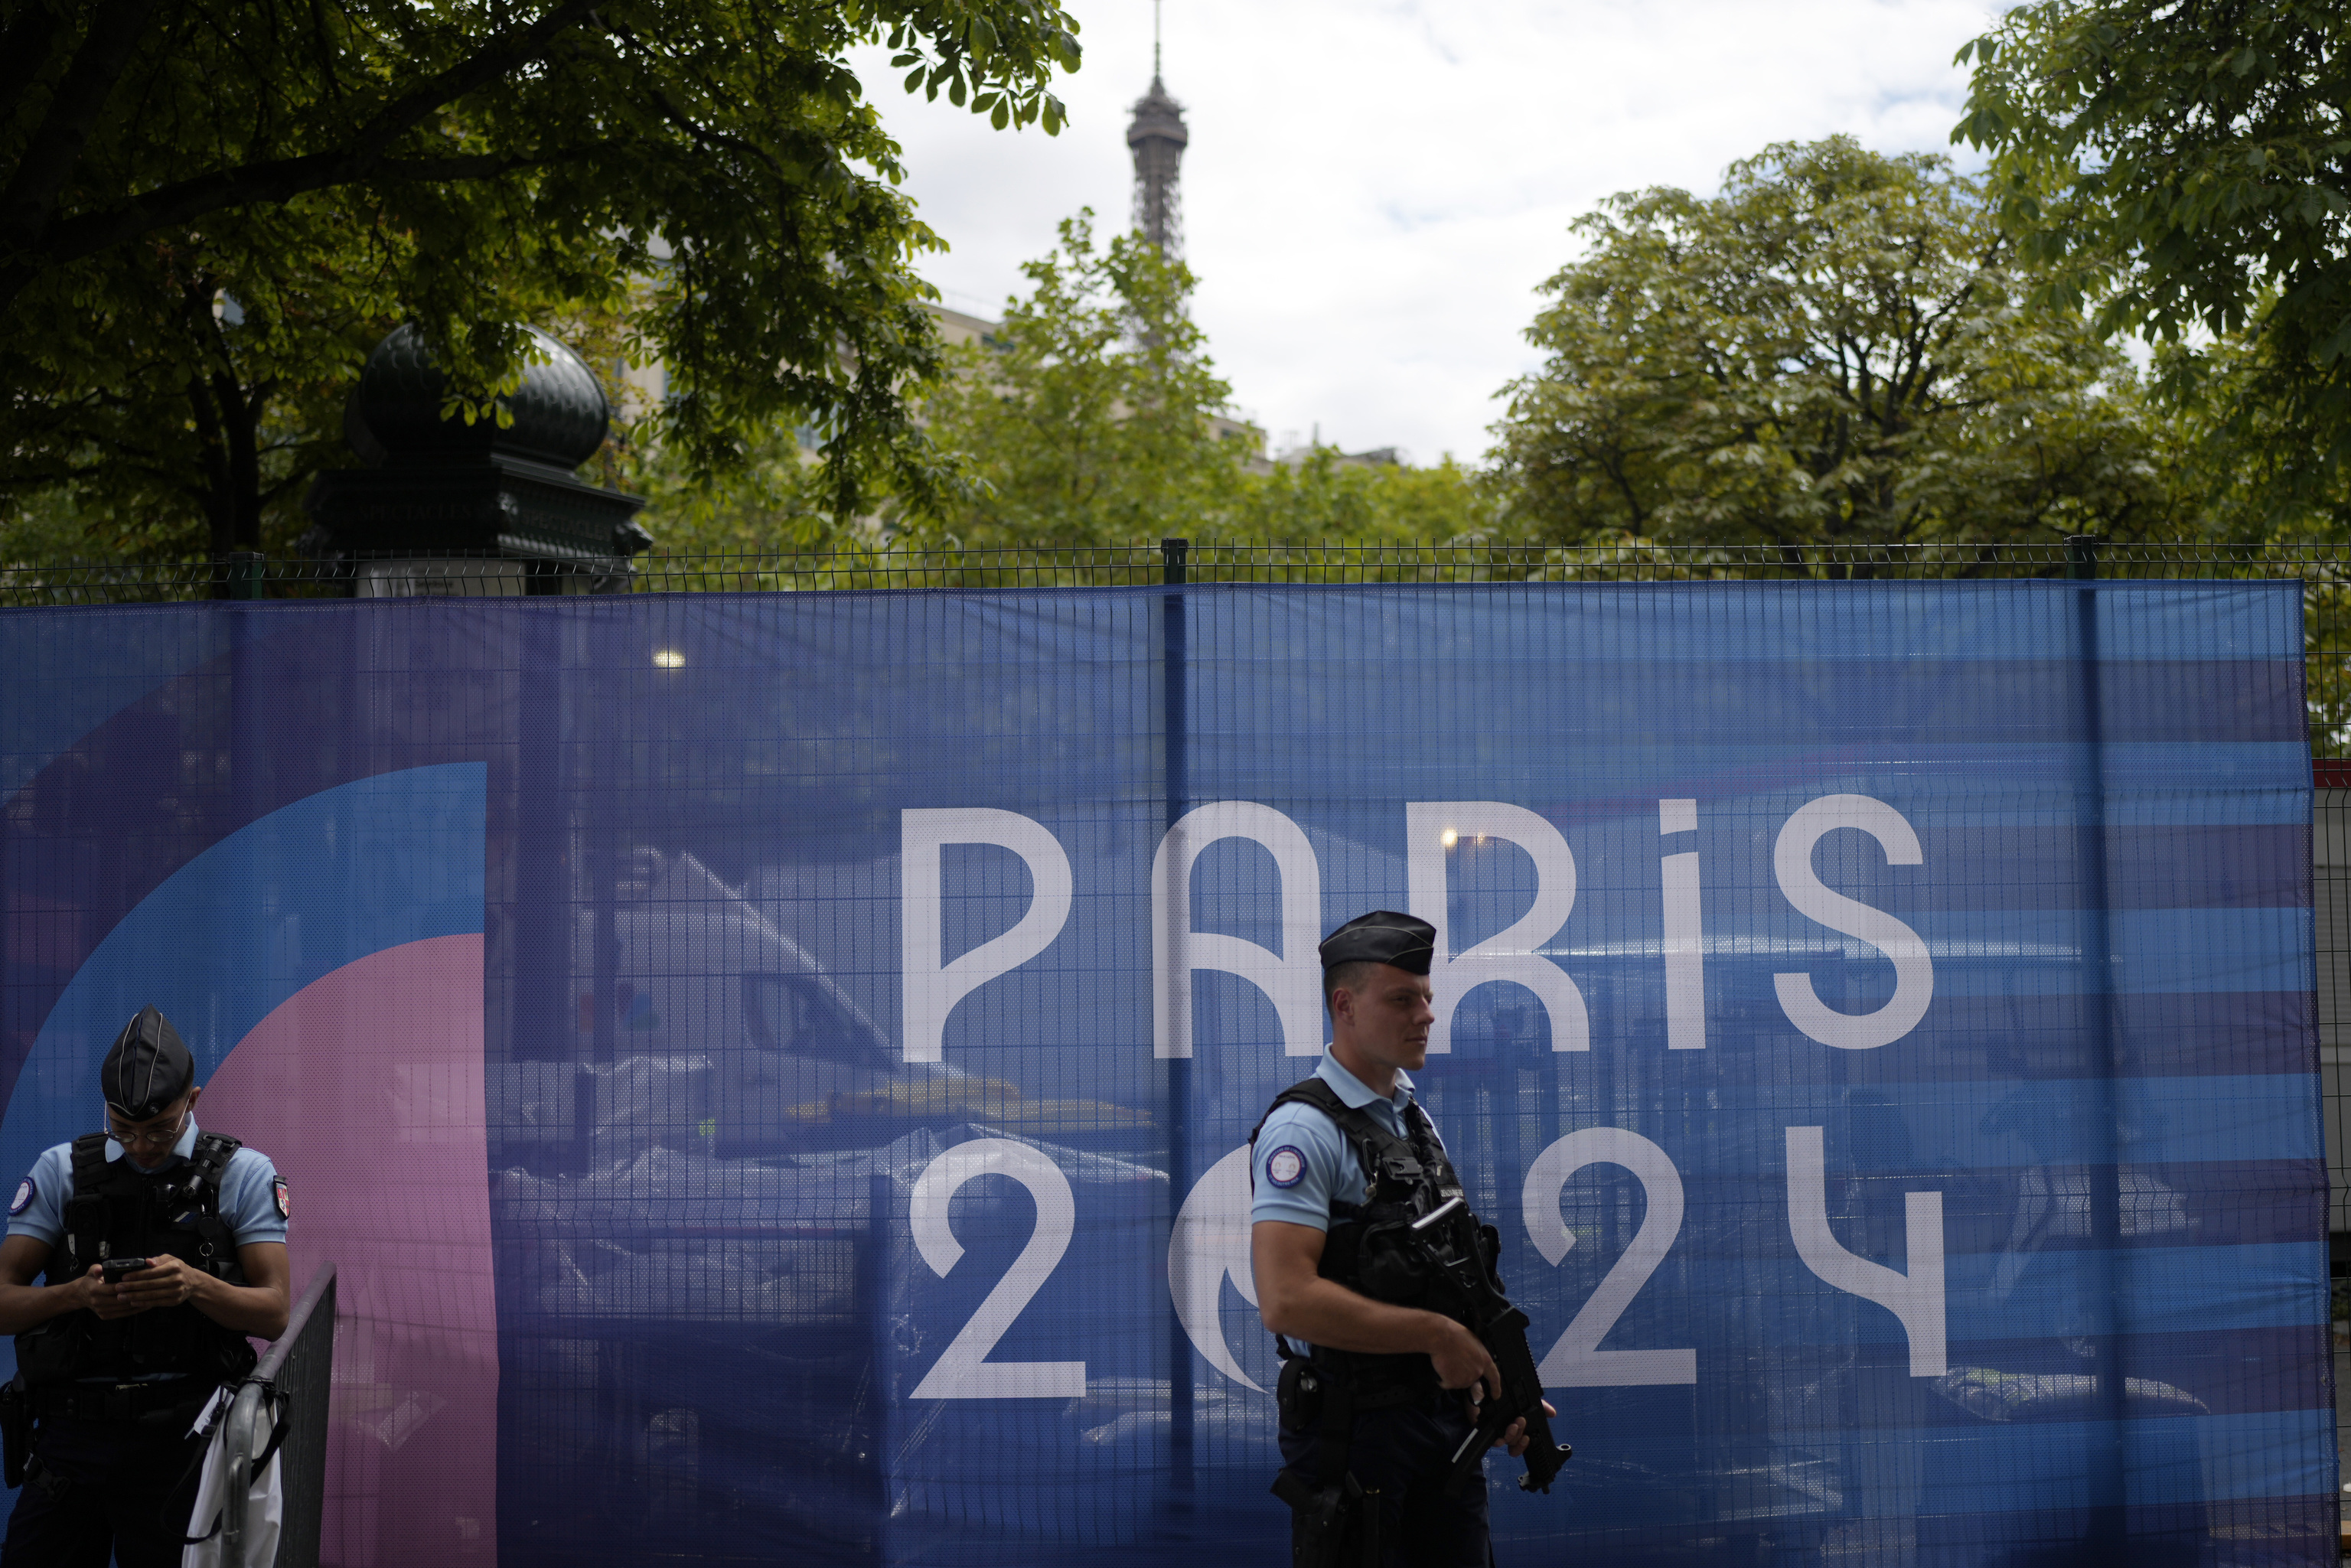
(1402, 1361)
(163, 1247)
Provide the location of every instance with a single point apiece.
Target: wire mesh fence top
(2324, 567)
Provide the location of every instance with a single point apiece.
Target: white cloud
(1372, 191)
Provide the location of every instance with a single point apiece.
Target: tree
(774, 500)
(1088, 420)
(2186, 165)
(185, 415)
(1320, 497)
(208, 210)
(1091, 419)
(1837, 349)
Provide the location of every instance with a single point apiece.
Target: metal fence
(2323, 570)
(1147, 562)
(299, 1363)
(300, 1366)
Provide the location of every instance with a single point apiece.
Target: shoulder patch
(283, 1196)
(23, 1198)
(1285, 1165)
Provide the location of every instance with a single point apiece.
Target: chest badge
(23, 1198)
(281, 1195)
(1285, 1165)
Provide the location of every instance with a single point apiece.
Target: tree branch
(501, 55)
(116, 28)
(25, 47)
(276, 182)
(364, 155)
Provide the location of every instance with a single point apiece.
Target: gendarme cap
(1383, 936)
(147, 1069)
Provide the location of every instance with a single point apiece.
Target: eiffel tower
(1157, 139)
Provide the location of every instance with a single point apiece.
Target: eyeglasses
(157, 1138)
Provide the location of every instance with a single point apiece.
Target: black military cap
(147, 1069)
(1383, 936)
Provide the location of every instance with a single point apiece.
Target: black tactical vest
(1403, 1181)
(118, 1211)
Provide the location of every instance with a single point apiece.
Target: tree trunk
(228, 427)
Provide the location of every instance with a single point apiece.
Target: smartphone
(115, 1268)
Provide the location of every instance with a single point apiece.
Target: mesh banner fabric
(773, 1070)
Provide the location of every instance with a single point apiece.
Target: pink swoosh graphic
(366, 1088)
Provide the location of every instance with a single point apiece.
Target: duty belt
(117, 1401)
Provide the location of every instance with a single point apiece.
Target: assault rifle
(1463, 1273)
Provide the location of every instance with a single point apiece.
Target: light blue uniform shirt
(1302, 1162)
(248, 1202)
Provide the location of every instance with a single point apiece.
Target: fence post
(870, 1289)
(2107, 1523)
(239, 574)
(2082, 557)
(1173, 558)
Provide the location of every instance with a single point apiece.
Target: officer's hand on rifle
(1463, 1362)
(1514, 1438)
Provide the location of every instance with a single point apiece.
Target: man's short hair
(1348, 976)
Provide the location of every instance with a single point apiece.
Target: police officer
(1376, 1398)
(114, 1370)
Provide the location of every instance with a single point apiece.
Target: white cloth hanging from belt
(264, 1506)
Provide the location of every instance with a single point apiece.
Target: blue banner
(773, 1069)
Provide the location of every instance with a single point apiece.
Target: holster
(1331, 1526)
(1321, 1518)
(16, 1430)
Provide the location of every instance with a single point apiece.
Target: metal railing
(300, 1366)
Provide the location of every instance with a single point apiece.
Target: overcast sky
(1374, 190)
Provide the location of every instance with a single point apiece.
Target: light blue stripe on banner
(2038, 952)
(2158, 1290)
(1905, 620)
(2162, 783)
(2054, 1465)
(1934, 784)
(2032, 1295)
(2164, 950)
(1925, 1128)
